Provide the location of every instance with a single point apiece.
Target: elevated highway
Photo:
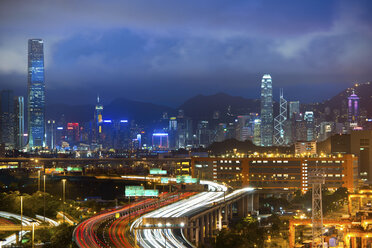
(188, 222)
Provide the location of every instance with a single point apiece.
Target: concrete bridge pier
(220, 219)
(230, 211)
(211, 227)
(197, 232)
(202, 227)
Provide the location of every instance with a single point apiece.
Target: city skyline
(166, 58)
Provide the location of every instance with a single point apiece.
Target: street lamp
(38, 180)
(21, 216)
(64, 197)
(44, 176)
(33, 233)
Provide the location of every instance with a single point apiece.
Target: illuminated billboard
(157, 171)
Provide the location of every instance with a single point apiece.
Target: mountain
(120, 108)
(141, 112)
(202, 107)
(337, 105)
(71, 113)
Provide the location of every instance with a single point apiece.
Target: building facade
(7, 119)
(278, 173)
(36, 94)
(267, 125)
(353, 108)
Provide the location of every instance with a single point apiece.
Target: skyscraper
(7, 118)
(36, 94)
(294, 107)
(20, 106)
(353, 108)
(51, 134)
(266, 111)
(280, 121)
(97, 124)
(310, 125)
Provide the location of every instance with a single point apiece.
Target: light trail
(104, 230)
(162, 237)
(26, 221)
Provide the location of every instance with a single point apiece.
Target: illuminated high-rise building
(160, 141)
(266, 111)
(257, 132)
(353, 108)
(51, 134)
(280, 122)
(310, 125)
(36, 94)
(20, 130)
(7, 119)
(98, 120)
(294, 108)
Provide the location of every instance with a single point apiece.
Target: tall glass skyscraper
(36, 94)
(21, 124)
(267, 125)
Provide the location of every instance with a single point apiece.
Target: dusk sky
(168, 51)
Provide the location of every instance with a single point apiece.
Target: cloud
(206, 45)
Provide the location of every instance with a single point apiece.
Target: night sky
(167, 51)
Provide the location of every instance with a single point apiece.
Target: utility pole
(316, 179)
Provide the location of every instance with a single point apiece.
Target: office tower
(203, 134)
(73, 133)
(310, 126)
(36, 94)
(280, 121)
(97, 124)
(353, 108)
(160, 141)
(325, 130)
(221, 132)
(257, 132)
(51, 133)
(266, 111)
(184, 133)
(242, 126)
(7, 119)
(294, 107)
(20, 127)
(245, 126)
(172, 132)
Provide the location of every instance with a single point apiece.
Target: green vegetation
(34, 204)
(246, 233)
(332, 201)
(56, 237)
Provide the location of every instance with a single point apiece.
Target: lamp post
(64, 197)
(33, 233)
(44, 177)
(21, 216)
(38, 180)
